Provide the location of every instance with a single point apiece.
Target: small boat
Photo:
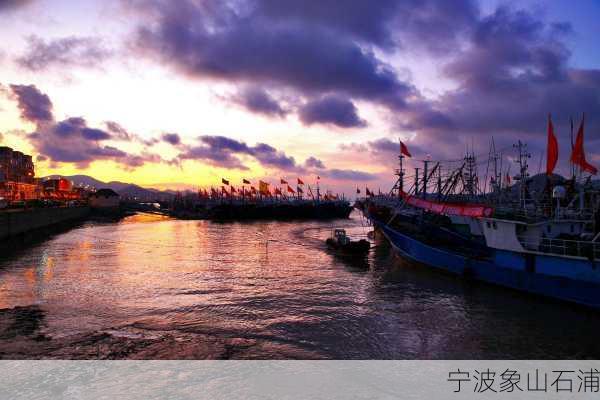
(341, 242)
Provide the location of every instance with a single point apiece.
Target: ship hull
(567, 279)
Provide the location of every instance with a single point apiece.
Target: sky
(181, 94)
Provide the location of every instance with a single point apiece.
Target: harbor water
(152, 287)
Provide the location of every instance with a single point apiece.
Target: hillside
(124, 189)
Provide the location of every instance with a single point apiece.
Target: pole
(416, 181)
(439, 182)
(400, 172)
(425, 178)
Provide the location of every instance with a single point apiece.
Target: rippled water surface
(149, 287)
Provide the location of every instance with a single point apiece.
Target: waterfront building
(17, 176)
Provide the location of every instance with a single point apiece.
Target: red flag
(404, 150)
(552, 157)
(290, 190)
(223, 190)
(277, 191)
(357, 191)
(253, 189)
(224, 181)
(578, 154)
(232, 190)
(368, 192)
(283, 182)
(245, 181)
(300, 182)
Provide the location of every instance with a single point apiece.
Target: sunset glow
(179, 96)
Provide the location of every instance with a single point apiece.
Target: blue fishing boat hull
(568, 279)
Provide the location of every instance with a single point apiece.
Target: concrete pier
(15, 223)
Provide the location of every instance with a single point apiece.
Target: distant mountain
(124, 189)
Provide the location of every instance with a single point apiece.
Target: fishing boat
(546, 245)
(340, 242)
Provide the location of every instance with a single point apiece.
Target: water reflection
(272, 290)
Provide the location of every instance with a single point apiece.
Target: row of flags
(247, 182)
(367, 191)
(577, 151)
(264, 189)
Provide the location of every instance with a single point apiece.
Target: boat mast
(471, 174)
(425, 178)
(524, 155)
(400, 172)
(416, 181)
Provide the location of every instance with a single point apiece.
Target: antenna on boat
(524, 155)
(470, 185)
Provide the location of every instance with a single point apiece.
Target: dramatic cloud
(70, 140)
(514, 72)
(217, 151)
(212, 40)
(34, 105)
(333, 110)
(271, 157)
(258, 101)
(7, 5)
(312, 162)
(118, 131)
(433, 25)
(349, 175)
(171, 138)
(224, 152)
(221, 151)
(497, 60)
(63, 52)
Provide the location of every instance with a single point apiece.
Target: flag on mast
(404, 150)
(245, 181)
(300, 182)
(552, 156)
(578, 154)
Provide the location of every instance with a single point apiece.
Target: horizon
(179, 97)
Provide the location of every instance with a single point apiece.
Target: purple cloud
(95, 134)
(221, 151)
(70, 140)
(34, 105)
(512, 75)
(171, 138)
(7, 5)
(333, 110)
(349, 175)
(312, 162)
(259, 101)
(63, 52)
(117, 131)
(247, 48)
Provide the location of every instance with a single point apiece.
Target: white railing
(564, 247)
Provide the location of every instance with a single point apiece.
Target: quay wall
(15, 223)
